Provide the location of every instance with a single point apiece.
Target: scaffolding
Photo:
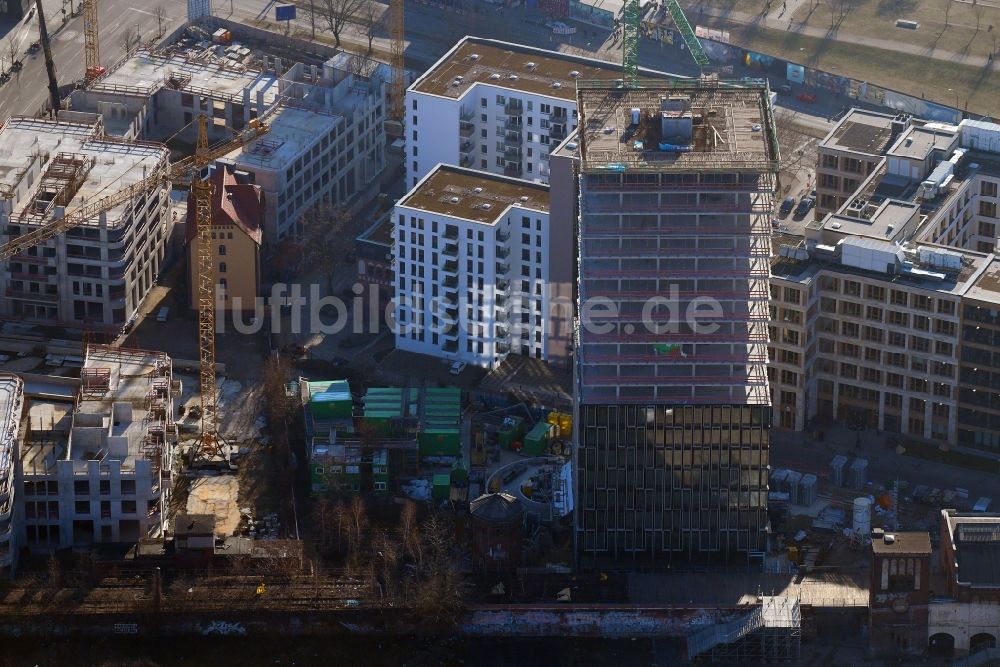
(772, 632)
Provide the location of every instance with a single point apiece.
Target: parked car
(34, 47)
(805, 205)
(808, 98)
(457, 368)
(16, 66)
(787, 205)
(785, 89)
(560, 28)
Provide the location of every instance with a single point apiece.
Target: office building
(677, 182)
(325, 142)
(475, 260)
(97, 274)
(883, 316)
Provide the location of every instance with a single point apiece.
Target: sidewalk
(771, 21)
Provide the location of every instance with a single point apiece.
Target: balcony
(503, 252)
(450, 267)
(451, 283)
(513, 169)
(451, 346)
(466, 114)
(503, 268)
(466, 130)
(503, 333)
(467, 161)
(32, 296)
(513, 124)
(503, 235)
(503, 285)
(514, 108)
(557, 113)
(500, 300)
(466, 147)
(451, 233)
(503, 348)
(512, 153)
(557, 132)
(450, 250)
(512, 138)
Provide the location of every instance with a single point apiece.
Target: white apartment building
(97, 469)
(11, 402)
(473, 268)
(325, 141)
(495, 106)
(97, 274)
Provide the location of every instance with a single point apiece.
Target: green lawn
(976, 89)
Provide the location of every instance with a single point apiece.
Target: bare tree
(978, 10)
(791, 144)
(12, 51)
(161, 14)
(947, 10)
(408, 536)
(439, 595)
(371, 20)
(338, 13)
(323, 236)
(130, 39)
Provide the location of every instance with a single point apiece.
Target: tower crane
(91, 43)
(397, 89)
(632, 17)
(209, 441)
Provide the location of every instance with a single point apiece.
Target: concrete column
(836, 397)
(928, 415)
(881, 410)
(904, 416)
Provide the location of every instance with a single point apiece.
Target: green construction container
(458, 473)
(511, 431)
(537, 439)
(439, 442)
(330, 399)
(441, 487)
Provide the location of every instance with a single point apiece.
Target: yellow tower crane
(210, 442)
(397, 89)
(91, 43)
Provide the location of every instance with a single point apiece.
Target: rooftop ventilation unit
(473, 56)
(556, 84)
(513, 77)
(531, 65)
(523, 198)
(575, 74)
(477, 190)
(494, 76)
(454, 200)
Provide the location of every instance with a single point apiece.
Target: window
(81, 488)
(128, 507)
(81, 507)
(222, 250)
(105, 485)
(222, 267)
(128, 487)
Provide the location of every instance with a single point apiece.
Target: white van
(163, 314)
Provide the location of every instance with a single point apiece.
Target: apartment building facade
(97, 274)
(673, 413)
(474, 266)
(99, 469)
(495, 106)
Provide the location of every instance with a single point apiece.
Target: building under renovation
(677, 184)
(97, 274)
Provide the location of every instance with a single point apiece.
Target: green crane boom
(687, 33)
(631, 17)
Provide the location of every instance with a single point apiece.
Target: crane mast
(397, 89)
(91, 44)
(201, 193)
(631, 19)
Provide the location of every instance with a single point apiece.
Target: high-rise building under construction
(677, 182)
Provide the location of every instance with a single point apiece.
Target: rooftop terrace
(511, 66)
(728, 127)
(861, 131)
(474, 195)
(290, 131)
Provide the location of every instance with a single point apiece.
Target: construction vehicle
(210, 442)
(631, 19)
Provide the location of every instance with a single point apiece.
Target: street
(26, 92)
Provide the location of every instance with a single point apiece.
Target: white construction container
(862, 523)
